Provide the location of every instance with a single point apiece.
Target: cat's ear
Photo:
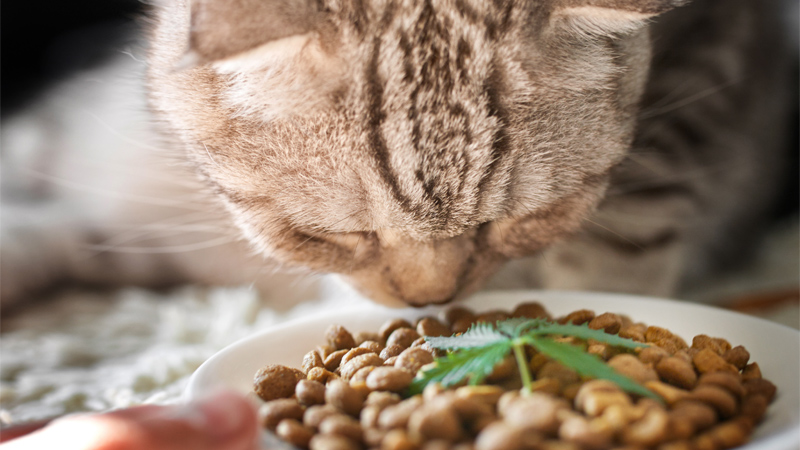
(607, 17)
(221, 29)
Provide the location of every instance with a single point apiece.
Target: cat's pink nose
(423, 294)
(417, 273)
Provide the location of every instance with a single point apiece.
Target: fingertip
(223, 420)
(229, 417)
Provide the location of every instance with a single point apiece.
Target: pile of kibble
(351, 393)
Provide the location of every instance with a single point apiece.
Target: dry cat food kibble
(354, 390)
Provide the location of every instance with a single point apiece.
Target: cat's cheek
(482, 270)
(520, 237)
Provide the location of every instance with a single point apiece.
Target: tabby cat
(415, 147)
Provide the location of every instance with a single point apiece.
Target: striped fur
(417, 145)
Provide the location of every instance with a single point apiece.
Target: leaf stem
(522, 363)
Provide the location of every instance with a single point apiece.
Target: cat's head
(411, 145)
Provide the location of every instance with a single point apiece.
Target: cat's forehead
(416, 116)
(427, 98)
(418, 138)
(338, 181)
(416, 17)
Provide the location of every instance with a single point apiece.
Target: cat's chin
(395, 303)
(386, 299)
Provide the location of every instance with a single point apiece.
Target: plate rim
(784, 438)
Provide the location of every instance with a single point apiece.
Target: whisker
(643, 161)
(500, 231)
(652, 219)
(164, 249)
(302, 243)
(136, 236)
(664, 180)
(127, 139)
(137, 172)
(209, 155)
(353, 256)
(175, 227)
(526, 209)
(653, 112)
(613, 232)
(133, 57)
(265, 269)
(668, 97)
(188, 222)
(543, 254)
(118, 195)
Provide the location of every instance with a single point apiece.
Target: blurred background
(45, 40)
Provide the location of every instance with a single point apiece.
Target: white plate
(776, 348)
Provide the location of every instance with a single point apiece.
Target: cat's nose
(418, 273)
(423, 273)
(435, 290)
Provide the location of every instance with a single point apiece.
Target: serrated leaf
(584, 332)
(478, 335)
(516, 326)
(586, 364)
(476, 363)
(475, 353)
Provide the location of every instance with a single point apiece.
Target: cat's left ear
(607, 17)
(222, 29)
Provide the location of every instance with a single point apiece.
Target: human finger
(222, 421)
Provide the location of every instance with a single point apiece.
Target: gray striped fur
(417, 145)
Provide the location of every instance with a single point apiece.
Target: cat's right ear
(225, 29)
(607, 17)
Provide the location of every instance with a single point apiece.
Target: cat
(419, 147)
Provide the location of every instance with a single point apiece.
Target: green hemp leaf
(473, 355)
